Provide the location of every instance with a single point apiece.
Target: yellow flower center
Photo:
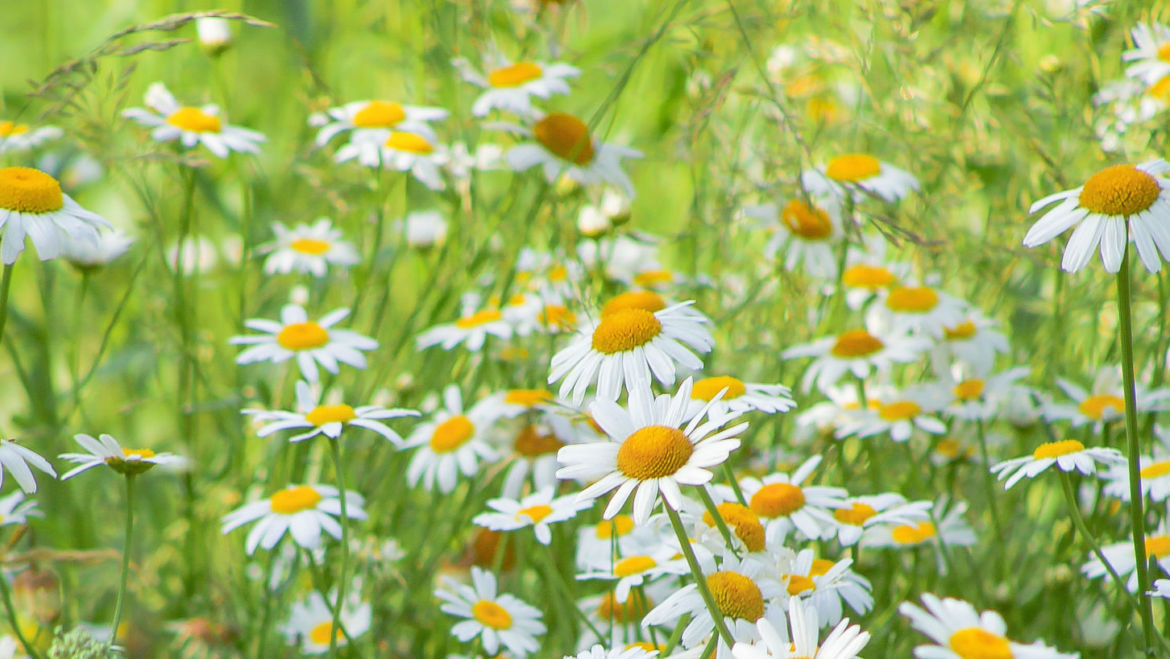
(856, 343)
(632, 610)
(379, 114)
(409, 142)
(653, 277)
(481, 317)
(1160, 90)
(319, 635)
(491, 615)
(535, 513)
(963, 330)
(914, 534)
(451, 434)
(872, 277)
(1049, 450)
(194, 120)
(798, 584)
(8, 128)
(302, 336)
(558, 273)
(625, 330)
(139, 452)
(645, 300)
(777, 500)
(853, 167)
(899, 411)
(977, 643)
(1156, 470)
(708, 388)
(856, 515)
(27, 190)
(745, 523)
(810, 223)
(654, 452)
(1121, 190)
(515, 75)
(620, 524)
(736, 595)
(557, 315)
(566, 136)
(310, 246)
(527, 397)
(294, 500)
(1158, 546)
(530, 442)
(1094, 406)
(820, 567)
(633, 565)
(912, 299)
(1164, 52)
(968, 389)
(323, 414)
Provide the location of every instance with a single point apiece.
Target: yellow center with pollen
(28, 190)
(902, 410)
(302, 336)
(810, 223)
(8, 128)
(868, 276)
(1121, 191)
(323, 414)
(451, 434)
(645, 300)
(1164, 52)
(853, 167)
(914, 534)
(963, 330)
(1160, 90)
(820, 567)
(625, 330)
(566, 137)
(745, 523)
(1095, 406)
(798, 584)
(482, 317)
(557, 315)
(856, 343)
(515, 75)
(1158, 546)
(777, 500)
(310, 246)
(619, 525)
(491, 615)
(654, 452)
(912, 299)
(294, 500)
(633, 565)
(1156, 470)
(535, 513)
(379, 114)
(194, 120)
(530, 442)
(969, 389)
(631, 610)
(708, 388)
(410, 143)
(527, 397)
(977, 643)
(140, 453)
(737, 596)
(1049, 450)
(653, 277)
(319, 635)
(856, 515)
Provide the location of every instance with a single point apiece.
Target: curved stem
(697, 572)
(335, 448)
(1083, 529)
(121, 602)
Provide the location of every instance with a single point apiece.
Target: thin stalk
(734, 484)
(697, 572)
(1083, 529)
(335, 448)
(12, 621)
(121, 602)
(717, 518)
(5, 286)
(988, 482)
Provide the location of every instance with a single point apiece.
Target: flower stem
(5, 286)
(1136, 515)
(121, 601)
(717, 518)
(335, 448)
(12, 621)
(700, 580)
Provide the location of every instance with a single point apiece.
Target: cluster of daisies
(1129, 107)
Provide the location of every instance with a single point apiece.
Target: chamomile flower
(401, 151)
(1114, 205)
(303, 511)
(599, 652)
(374, 120)
(563, 147)
(192, 125)
(310, 623)
(741, 397)
(1105, 402)
(976, 398)
(826, 585)
(451, 443)
(328, 419)
(16, 459)
(918, 309)
(310, 342)
(85, 254)
(859, 516)
(1151, 55)
(16, 137)
(636, 570)
(1155, 472)
(949, 529)
(844, 642)
(623, 349)
(805, 233)
(32, 204)
(975, 342)
(898, 418)
(648, 451)
(471, 329)
(510, 86)
(596, 543)
(784, 502)
(16, 509)
(854, 351)
(868, 271)
(496, 619)
(961, 633)
(105, 450)
(1067, 455)
(861, 175)
(308, 249)
(537, 510)
(1121, 559)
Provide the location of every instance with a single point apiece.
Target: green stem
(988, 479)
(1083, 529)
(12, 621)
(734, 484)
(700, 579)
(335, 448)
(121, 602)
(5, 286)
(1133, 450)
(717, 518)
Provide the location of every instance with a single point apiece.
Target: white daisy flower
(471, 329)
(855, 351)
(452, 442)
(32, 204)
(537, 510)
(372, 121)
(496, 619)
(623, 349)
(862, 515)
(328, 420)
(87, 255)
(16, 137)
(1105, 402)
(15, 459)
(191, 125)
(950, 530)
(822, 419)
(636, 570)
(301, 510)
(563, 147)
(976, 398)
(960, 632)
(861, 174)
(214, 34)
(898, 418)
(1068, 454)
(401, 151)
(1116, 204)
(975, 342)
(806, 234)
(784, 502)
(741, 397)
(310, 623)
(844, 642)
(917, 309)
(1151, 54)
(308, 249)
(1155, 472)
(599, 652)
(647, 300)
(1121, 559)
(310, 342)
(826, 585)
(16, 509)
(425, 229)
(868, 271)
(647, 451)
(105, 450)
(510, 86)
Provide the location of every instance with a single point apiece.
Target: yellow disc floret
(978, 643)
(28, 190)
(968, 390)
(451, 434)
(810, 223)
(310, 246)
(856, 515)
(737, 596)
(872, 277)
(654, 452)
(320, 633)
(914, 534)
(798, 584)
(566, 136)
(708, 388)
(912, 299)
(527, 397)
(645, 300)
(625, 330)
(1119, 191)
(853, 167)
(379, 114)
(8, 128)
(744, 523)
(302, 336)
(481, 317)
(1095, 406)
(1158, 546)
(777, 500)
(963, 330)
(901, 410)
(856, 343)
(633, 565)
(1156, 470)
(409, 142)
(323, 414)
(294, 500)
(619, 525)
(194, 120)
(491, 615)
(531, 442)
(515, 75)
(535, 513)
(1049, 450)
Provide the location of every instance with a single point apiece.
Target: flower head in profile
(308, 249)
(537, 510)
(1067, 455)
(1120, 557)
(854, 351)
(310, 623)
(32, 204)
(499, 620)
(192, 125)
(741, 397)
(310, 342)
(401, 151)
(960, 632)
(16, 508)
(471, 329)
(373, 121)
(303, 511)
(16, 137)
(563, 146)
(16, 459)
(511, 85)
(860, 175)
(328, 419)
(87, 255)
(106, 450)
(1151, 53)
